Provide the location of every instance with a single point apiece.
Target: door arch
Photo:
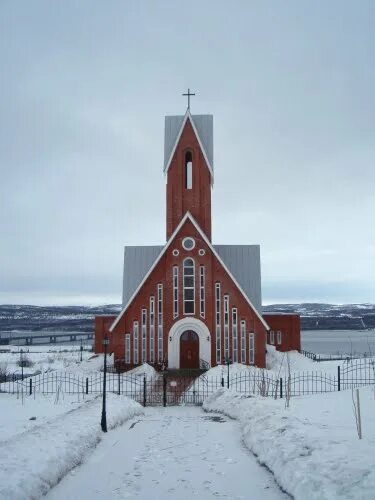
(178, 328)
(189, 350)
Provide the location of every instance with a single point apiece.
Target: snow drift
(312, 447)
(36, 460)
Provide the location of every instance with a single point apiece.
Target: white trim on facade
(127, 348)
(218, 321)
(160, 323)
(202, 291)
(144, 335)
(226, 326)
(188, 288)
(152, 329)
(209, 244)
(234, 335)
(278, 335)
(175, 333)
(135, 342)
(175, 291)
(243, 341)
(251, 348)
(272, 337)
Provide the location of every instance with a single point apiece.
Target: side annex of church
(191, 304)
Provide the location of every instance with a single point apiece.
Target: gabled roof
(203, 129)
(243, 261)
(187, 216)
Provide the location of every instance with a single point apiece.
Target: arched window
(189, 286)
(188, 170)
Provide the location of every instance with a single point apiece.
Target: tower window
(188, 170)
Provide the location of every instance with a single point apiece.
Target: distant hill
(52, 318)
(330, 316)
(81, 318)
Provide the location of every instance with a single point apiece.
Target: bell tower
(188, 166)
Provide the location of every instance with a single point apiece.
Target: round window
(175, 252)
(188, 243)
(202, 251)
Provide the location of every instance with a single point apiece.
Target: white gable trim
(186, 117)
(207, 241)
(150, 271)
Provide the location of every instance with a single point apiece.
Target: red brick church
(191, 303)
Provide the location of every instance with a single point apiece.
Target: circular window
(175, 252)
(188, 243)
(202, 251)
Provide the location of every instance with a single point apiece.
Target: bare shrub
(25, 362)
(3, 372)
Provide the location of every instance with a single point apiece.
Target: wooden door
(189, 350)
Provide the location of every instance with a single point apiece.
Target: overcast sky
(84, 89)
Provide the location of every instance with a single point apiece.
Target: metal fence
(340, 356)
(171, 389)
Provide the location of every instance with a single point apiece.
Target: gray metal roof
(204, 125)
(137, 261)
(243, 261)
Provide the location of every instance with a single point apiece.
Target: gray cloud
(83, 93)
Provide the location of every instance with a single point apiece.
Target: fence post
(164, 390)
(119, 382)
(281, 388)
(144, 390)
(31, 386)
(222, 381)
(87, 385)
(338, 379)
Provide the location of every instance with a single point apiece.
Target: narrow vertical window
(144, 334)
(127, 348)
(202, 279)
(279, 337)
(160, 323)
(135, 340)
(251, 348)
(152, 329)
(272, 337)
(175, 292)
(234, 335)
(189, 287)
(226, 326)
(243, 341)
(218, 322)
(188, 170)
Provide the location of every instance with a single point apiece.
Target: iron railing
(170, 388)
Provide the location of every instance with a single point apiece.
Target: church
(192, 304)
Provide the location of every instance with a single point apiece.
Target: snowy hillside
(81, 318)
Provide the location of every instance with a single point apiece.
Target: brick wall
(289, 326)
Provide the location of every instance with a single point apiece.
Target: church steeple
(188, 164)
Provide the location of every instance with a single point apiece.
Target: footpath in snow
(312, 447)
(174, 453)
(35, 457)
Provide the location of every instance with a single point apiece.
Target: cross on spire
(188, 96)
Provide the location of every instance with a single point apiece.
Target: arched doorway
(189, 350)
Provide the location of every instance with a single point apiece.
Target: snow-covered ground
(35, 455)
(312, 447)
(174, 453)
(49, 358)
